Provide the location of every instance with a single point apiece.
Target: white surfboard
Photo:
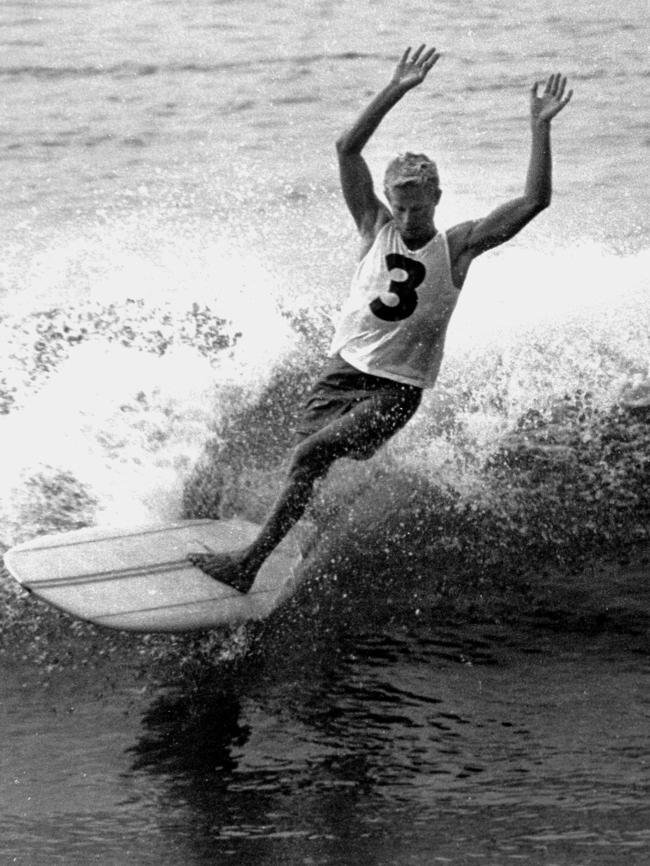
(140, 579)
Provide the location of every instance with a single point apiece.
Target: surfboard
(139, 579)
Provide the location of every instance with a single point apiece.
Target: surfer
(389, 341)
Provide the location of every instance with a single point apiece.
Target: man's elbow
(341, 144)
(539, 197)
(536, 204)
(345, 145)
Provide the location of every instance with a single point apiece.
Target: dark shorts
(380, 406)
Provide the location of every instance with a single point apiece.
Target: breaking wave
(523, 474)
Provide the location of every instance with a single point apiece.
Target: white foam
(531, 324)
(127, 424)
(519, 287)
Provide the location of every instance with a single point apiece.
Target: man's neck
(421, 241)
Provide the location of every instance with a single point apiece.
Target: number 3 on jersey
(401, 299)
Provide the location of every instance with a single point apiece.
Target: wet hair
(412, 169)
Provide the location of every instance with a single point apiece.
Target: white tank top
(394, 321)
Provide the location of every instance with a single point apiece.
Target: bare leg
(238, 569)
(357, 433)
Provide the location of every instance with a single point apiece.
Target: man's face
(413, 208)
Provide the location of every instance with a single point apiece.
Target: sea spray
(148, 409)
(121, 396)
(530, 454)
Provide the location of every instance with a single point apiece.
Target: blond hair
(411, 169)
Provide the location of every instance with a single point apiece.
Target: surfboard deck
(139, 579)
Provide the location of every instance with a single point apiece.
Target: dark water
(333, 734)
(463, 677)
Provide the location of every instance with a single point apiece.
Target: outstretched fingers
(405, 57)
(556, 87)
(414, 67)
(418, 51)
(560, 96)
(553, 98)
(430, 58)
(427, 59)
(420, 58)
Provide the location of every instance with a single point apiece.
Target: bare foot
(228, 568)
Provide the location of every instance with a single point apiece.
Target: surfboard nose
(140, 579)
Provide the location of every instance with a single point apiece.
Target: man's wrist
(540, 126)
(396, 90)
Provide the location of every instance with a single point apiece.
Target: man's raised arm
(356, 181)
(503, 223)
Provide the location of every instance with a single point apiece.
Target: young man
(389, 342)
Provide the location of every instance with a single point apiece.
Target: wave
(523, 474)
(130, 69)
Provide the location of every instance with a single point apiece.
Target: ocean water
(464, 674)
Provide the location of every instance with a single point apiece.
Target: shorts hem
(380, 374)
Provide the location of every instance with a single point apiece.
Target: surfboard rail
(139, 578)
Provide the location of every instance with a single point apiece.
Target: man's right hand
(368, 212)
(411, 71)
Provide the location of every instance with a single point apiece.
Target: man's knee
(311, 459)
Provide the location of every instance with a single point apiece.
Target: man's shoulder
(460, 240)
(458, 236)
(460, 250)
(370, 233)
